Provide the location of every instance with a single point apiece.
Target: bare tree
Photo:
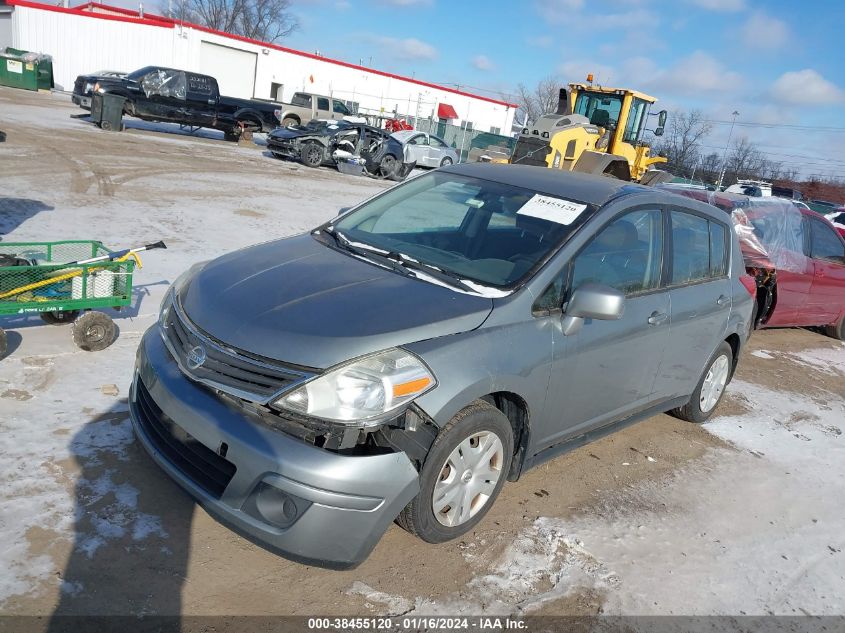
(681, 143)
(543, 98)
(744, 162)
(709, 167)
(264, 20)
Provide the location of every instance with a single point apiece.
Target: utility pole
(725, 153)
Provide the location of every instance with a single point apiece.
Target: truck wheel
(94, 331)
(4, 343)
(312, 155)
(837, 330)
(60, 317)
(710, 388)
(288, 121)
(462, 475)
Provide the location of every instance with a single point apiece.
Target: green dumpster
(22, 69)
(107, 111)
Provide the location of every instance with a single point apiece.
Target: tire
(312, 155)
(105, 125)
(446, 162)
(94, 331)
(837, 330)
(483, 422)
(388, 166)
(694, 411)
(60, 317)
(4, 343)
(288, 121)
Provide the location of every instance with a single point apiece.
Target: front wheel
(312, 155)
(446, 162)
(94, 331)
(710, 388)
(837, 330)
(462, 475)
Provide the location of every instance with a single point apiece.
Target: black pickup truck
(154, 93)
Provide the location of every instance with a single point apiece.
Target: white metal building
(95, 37)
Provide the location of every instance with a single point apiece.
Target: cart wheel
(60, 317)
(94, 331)
(4, 344)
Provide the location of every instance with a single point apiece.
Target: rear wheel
(311, 155)
(710, 388)
(94, 331)
(288, 121)
(462, 475)
(60, 317)
(837, 330)
(446, 162)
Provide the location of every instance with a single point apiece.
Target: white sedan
(426, 149)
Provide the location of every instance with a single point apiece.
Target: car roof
(595, 190)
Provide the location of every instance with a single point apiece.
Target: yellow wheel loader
(596, 130)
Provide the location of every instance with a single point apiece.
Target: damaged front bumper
(295, 499)
(283, 148)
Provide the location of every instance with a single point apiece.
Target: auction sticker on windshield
(552, 209)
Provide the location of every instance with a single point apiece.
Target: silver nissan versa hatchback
(403, 360)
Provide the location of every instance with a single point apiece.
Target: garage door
(234, 69)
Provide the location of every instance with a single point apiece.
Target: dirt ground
(109, 532)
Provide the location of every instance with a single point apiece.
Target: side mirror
(661, 118)
(658, 131)
(592, 301)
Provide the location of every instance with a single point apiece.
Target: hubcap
(468, 478)
(714, 384)
(95, 333)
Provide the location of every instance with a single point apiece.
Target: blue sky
(776, 62)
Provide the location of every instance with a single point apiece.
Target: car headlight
(362, 391)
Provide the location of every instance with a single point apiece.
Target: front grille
(224, 369)
(531, 151)
(197, 462)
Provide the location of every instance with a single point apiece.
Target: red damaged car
(795, 255)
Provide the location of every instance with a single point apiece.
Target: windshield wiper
(438, 273)
(371, 254)
(398, 262)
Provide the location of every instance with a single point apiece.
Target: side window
(199, 85)
(690, 248)
(626, 254)
(322, 103)
(552, 296)
(165, 83)
(417, 140)
(301, 100)
(825, 244)
(339, 107)
(718, 250)
(436, 142)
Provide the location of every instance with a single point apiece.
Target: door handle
(657, 318)
(722, 300)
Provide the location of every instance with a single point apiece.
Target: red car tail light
(750, 284)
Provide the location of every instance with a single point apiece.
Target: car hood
(301, 302)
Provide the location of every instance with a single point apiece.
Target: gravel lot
(741, 515)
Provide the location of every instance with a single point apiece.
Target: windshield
(478, 230)
(137, 74)
(600, 109)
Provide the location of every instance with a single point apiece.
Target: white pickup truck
(304, 107)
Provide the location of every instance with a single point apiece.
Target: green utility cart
(43, 278)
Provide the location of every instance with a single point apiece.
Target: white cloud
(720, 5)
(410, 48)
(693, 75)
(765, 32)
(806, 87)
(482, 62)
